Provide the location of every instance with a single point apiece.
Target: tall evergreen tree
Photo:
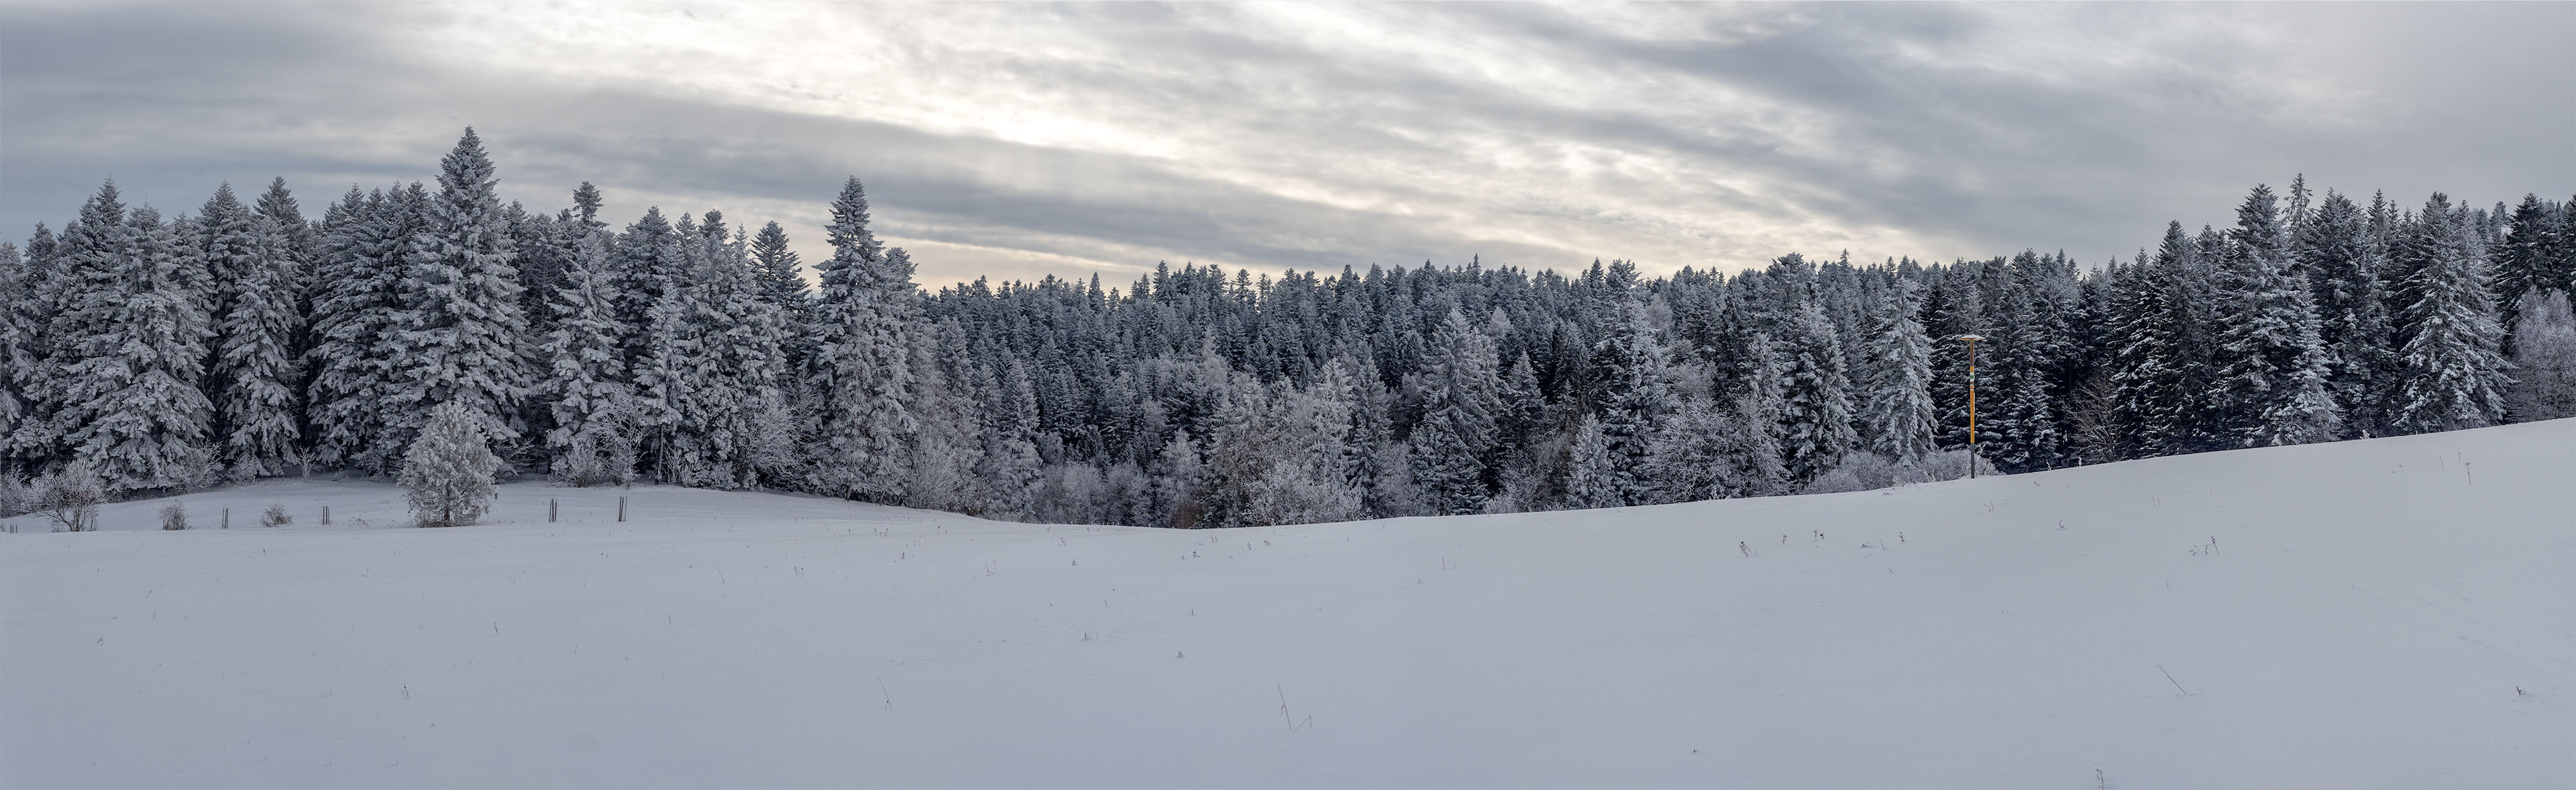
(861, 375)
(356, 325)
(1453, 445)
(1895, 394)
(1634, 380)
(2453, 375)
(18, 317)
(2150, 366)
(132, 411)
(253, 375)
(1594, 476)
(586, 377)
(2526, 262)
(1816, 414)
(2335, 248)
(461, 323)
(2271, 364)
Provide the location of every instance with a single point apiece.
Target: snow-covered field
(2387, 613)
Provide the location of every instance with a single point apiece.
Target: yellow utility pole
(1972, 402)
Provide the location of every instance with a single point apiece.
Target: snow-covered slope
(2387, 613)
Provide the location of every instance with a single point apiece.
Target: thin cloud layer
(1019, 140)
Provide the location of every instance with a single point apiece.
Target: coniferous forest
(151, 354)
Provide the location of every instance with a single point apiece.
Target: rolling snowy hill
(2385, 613)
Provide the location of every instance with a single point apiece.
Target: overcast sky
(1021, 140)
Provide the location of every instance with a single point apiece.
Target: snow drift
(2384, 613)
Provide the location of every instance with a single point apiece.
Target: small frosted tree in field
(449, 468)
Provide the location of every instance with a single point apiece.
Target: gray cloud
(1022, 140)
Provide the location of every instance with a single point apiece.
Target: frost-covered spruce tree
(780, 275)
(1524, 404)
(1691, 459)
(1011, 460)
(2525, 262)
(1952, 306)
(1751, 450)
(254, 373)
(448, 470)
(279, 206)
(460, 304)
(2565, 243)
(2353, 324)
(133, 412)
(1179, 478)
(1454, 442)
(945, 450)
(667, 346)
(2152, 369)
(18, 317)
(860, 375)
(2271, 362)
(1633, 392)
(1318, 481)
(1593, 474)
(1815, 418)
(1895, 395)
(2452, 374)
(358, 317)
(745, 352)
(586, 377)
(27, 440)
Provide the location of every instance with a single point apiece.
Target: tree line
(243, 341)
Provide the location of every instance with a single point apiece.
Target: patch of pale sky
(951, 71)
(1674, 134)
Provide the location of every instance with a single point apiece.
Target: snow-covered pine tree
(1012, 467)
(749, 368)
(2525, 262)
(1634, 390)
(2270, 364)
(18, 321)
(2149, 362)
(1816, 414)
(131, 408)
(2452, 376)
(780, 277)
(28, 441)
(357, 317)
(586, 379)
(2335, 249)
(1320, 480)
(1952, 306)
(861, 373)
(1895, 395)
(1593, 473)
(668, 345)
(448, 469)
(2565, 256)
(279, 206)
(1453, 445)
(461, 326)
(1179, 476)
(1524, 404)
(1752, 454)
(253, 375)
(945, 450)
(1712, 451)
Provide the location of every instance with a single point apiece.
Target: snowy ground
(2391, 613)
